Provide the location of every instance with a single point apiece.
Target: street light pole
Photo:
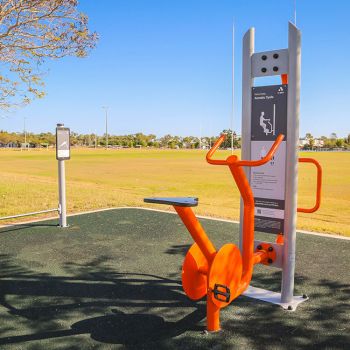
(25, 132)
(233, 84)
(106, 110)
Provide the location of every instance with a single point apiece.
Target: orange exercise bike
(225, 274)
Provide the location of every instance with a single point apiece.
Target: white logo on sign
(266, 124)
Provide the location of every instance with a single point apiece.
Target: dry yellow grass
(101, 179)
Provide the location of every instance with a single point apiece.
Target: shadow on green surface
(98, 290)
(121, 328)
(19, 227)
(148, 311)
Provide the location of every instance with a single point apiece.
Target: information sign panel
(269, 119)
(62, 143)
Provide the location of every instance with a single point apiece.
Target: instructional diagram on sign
(266, 123)
(269, 119)
(269, 179)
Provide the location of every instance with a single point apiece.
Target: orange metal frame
(235, 165)
(319, 185)
(214, 263)
(227, 273)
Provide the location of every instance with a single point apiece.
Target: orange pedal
(225, 275)
(194, 282)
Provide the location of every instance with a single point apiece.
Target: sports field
(113, 178)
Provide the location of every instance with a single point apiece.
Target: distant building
(12, 145)
(317, 143)
(303, 142)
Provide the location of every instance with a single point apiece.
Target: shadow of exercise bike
(149, 293)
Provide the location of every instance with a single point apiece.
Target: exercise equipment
(270, 121)
(225, 274)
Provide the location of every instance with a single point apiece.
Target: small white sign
(63, 153)
(62, 143)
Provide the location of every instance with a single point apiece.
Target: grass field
(101, 179)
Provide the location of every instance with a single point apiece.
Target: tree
(311, 141)
(32, 31)
(165, 140)
(227, 142)
(339, 143)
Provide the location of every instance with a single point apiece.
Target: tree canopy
(32, 31)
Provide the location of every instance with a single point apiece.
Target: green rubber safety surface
(112, 280)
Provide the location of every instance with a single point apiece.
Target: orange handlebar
(319, 185)
(267, 158)
(233, 159)
(217, 144)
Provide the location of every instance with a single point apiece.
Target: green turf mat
(112, 280)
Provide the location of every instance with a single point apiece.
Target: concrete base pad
(273, 298)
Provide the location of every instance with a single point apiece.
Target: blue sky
(165, 67)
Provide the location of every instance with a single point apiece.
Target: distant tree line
(15, 139)
(126, 141)
(138, 140)
(332, 142)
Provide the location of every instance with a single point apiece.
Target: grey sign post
(62, 154)
(268, 111)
